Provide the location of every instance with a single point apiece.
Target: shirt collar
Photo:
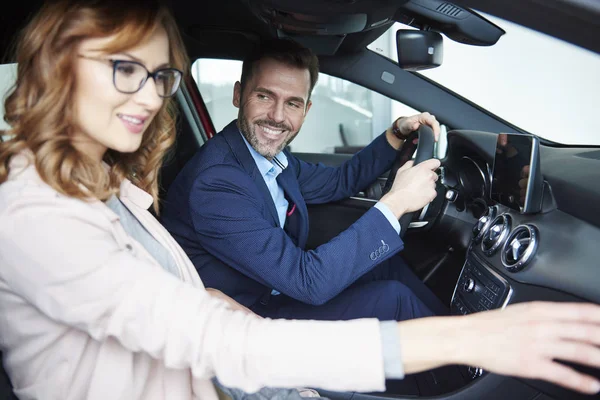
(138, 196)
(128, 190)
(265, 166)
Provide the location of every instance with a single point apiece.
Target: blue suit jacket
(220, 211)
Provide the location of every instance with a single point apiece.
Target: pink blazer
(86, 312)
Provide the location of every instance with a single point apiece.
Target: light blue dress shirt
(269, 170)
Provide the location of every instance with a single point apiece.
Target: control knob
(469, 285)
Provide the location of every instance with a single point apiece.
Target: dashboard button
(451, 195)
(469, 285)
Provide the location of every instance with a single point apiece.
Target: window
(8, 75)
(539, 83)
(344, 116)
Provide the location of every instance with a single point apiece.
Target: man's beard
(268, 150)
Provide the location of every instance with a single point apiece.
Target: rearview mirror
(418, 50)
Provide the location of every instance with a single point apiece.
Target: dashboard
(523, 242)
(541, 245)
(490, 252)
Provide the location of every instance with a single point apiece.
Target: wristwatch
(396, 131)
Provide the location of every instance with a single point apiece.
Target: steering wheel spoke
(424, 151)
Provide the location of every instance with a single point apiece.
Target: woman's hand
(523, 340)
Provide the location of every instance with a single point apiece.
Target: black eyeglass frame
(115, 64)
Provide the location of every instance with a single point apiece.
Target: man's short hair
(285, 51)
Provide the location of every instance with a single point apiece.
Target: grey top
(137, 231)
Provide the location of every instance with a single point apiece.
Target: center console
(496, 245)
(479, 288)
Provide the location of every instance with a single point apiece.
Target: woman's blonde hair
(40, 110)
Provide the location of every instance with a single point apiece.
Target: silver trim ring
(504, 223)
(528, 254)
(489, 216)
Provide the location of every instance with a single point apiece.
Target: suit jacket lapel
(233, 137)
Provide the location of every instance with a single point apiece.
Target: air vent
(520, 247)
(483, 224)
(496, 234)
(449, 9)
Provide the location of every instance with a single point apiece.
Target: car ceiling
(226, 28)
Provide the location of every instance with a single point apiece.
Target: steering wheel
(424, 149)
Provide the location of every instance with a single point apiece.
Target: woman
(98, 301)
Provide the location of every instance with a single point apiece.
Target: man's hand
(523, 182)
(523, 340)
(406, 125)
(411, 124)
(234, 305)
(413, 187)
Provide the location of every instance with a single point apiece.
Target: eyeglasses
(130, 76)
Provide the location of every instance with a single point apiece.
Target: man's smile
(270, 132)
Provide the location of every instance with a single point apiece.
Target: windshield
(543, 85)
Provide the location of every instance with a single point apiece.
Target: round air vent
(520, 247)
(496, 234)
(483, 224)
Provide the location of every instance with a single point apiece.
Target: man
(238, 208)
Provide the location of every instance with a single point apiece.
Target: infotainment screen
(517, 181)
